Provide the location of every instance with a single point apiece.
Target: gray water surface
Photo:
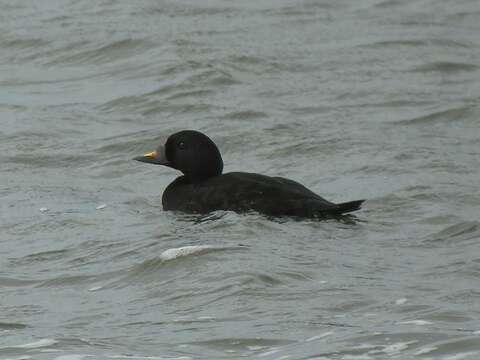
(355, 99)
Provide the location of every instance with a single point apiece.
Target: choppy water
(355, 99)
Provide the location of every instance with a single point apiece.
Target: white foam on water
(95, 288)
(416, 322)
(182, 318)
(255, 347)
(269, 352)
(320, 336)
(425, 350)
(396, 348)
(148, 357)
(357, 357)
(175, 253)
(401, 301)
(37, 344)
(365, 346)
(72, 357)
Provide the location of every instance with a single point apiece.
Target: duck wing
(275, 196)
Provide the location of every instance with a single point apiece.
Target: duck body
(203, 188)
(242, 192)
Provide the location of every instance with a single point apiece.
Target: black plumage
(203, 188)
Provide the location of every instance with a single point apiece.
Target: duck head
(189, 151)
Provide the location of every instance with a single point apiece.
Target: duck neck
(196, 179)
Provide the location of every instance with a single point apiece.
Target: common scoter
(203, 188)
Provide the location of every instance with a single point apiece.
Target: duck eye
(181, 145)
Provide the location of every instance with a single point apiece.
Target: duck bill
(156, 157)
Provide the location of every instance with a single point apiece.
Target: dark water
(355, 99)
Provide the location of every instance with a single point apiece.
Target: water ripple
(446, 67)
(457, 233)
(377, 98)
(448, 115)
(108, 53)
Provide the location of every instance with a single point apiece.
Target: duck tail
(349, 206)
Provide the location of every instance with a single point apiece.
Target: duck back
(241, 191)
